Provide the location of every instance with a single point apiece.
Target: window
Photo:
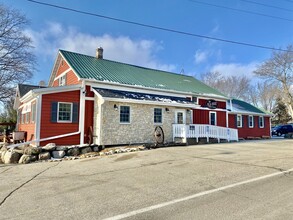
(27, 117)
(22, 118)
(261, 121)
(250, 121)
(239, 121)
(213, 118)
(194, 99)
(158, 115)
(179, 117)
(124, 114)
(64, 112)
(62, 80)
(33, 112)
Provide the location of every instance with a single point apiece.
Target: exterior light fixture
(115, 107)
(167, 109)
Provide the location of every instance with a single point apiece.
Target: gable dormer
(62, 73)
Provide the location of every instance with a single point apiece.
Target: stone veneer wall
(141, 127)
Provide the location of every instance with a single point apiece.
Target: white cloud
(122, 48)
(201, 56)
(230, 69)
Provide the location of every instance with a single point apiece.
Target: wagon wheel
(159, 135)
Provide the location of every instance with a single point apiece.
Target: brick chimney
(99, 53)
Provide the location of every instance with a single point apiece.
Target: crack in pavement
(6, 170)
(246, 164)
(23, 184)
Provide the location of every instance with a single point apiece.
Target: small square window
(62, 80)
(124, 114)
(64, 112)
(158, 115)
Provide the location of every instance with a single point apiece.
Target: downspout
(100, 104)
(82, 111)
(38, 118)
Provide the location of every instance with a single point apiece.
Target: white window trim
(125, 123)
(33, 115)
(184, 116)
(263, 121)
(241, 125)
(210, 117)
(27, 119)
(158, 123)
(251, 116)
(60, 80)
(63, 121)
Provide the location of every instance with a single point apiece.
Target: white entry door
(180, 117)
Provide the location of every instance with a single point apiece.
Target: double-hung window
(261, 121)
(250, 121)
(64, 112)
(158, 116)
(124, 114)
(239, 121)
(62, 80)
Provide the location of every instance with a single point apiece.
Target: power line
(270, 6)
(158, 28)
(241, 10)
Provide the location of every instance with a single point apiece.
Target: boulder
(49, 147)
(26, 159)
(96, 149)
(11, 156)
(58, 154)
(73, 151)
(86, 150)
(64, 148)
(30, 150)
(44, 156)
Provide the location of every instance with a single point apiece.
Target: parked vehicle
(282, 129)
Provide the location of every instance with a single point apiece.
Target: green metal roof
(241, 106)
(88, 67)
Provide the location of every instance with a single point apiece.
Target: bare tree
(279, 69)
(232, 86)
(16, 58)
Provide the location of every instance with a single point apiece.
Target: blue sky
(52, 29)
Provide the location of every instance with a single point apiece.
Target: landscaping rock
(30, 150)
(58, 154)
(44, 156)
(96, 149)
(73, 151)
(64, 148)
(11, 156)
(26, 159)
(86, 150)
(49, 147)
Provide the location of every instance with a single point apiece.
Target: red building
(94, 100)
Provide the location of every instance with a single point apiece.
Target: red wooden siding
(203, 117)
(220, 104)
(89, 93)
(28, 127)
(245, 131)
(71, 78)
(89, 118)
(50, 129)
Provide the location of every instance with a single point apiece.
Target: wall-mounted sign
(212, 104)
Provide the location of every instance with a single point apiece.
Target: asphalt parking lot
(246, 180)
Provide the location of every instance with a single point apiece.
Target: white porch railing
(204, 131)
